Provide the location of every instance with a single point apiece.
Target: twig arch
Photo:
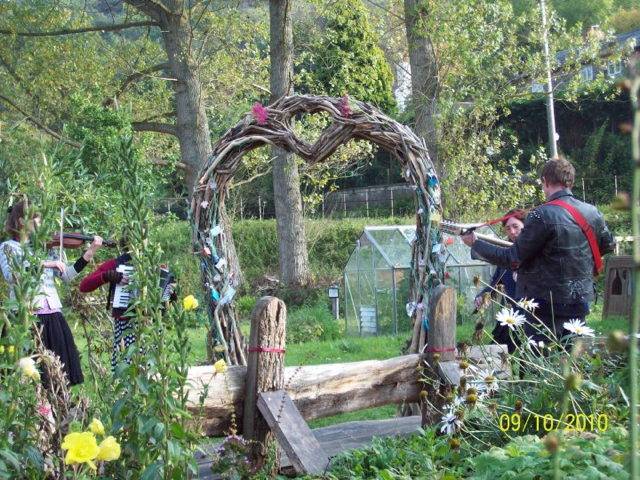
(351, 119)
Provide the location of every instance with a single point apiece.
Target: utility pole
(551, 120)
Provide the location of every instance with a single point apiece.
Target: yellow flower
(28, 367)
(96, 427)
(109, 449)
(1, 349)
(189, 302)
(82, 448)
(11, 349)
(220, 366)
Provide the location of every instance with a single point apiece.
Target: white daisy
(450, 424)
(578, 327)
(528, 305)
(508, 317)
(487, 381)
(533, 344)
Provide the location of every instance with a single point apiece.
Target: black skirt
(57, 337)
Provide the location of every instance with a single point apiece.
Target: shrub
(312, 322)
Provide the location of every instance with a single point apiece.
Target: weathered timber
(334, 440)
(265, 371)
(293, 434)
(440, 353)
(322, 390)
(441, 336)
(317, 390)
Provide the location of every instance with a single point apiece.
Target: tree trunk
(294, 262)
(424, 76)
(192, 126)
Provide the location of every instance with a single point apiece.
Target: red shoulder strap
(586, 229)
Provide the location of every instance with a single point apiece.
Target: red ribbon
(441, 350)
(266, 350)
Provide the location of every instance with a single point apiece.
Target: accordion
(124, 294)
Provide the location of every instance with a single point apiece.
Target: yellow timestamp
(578, 422)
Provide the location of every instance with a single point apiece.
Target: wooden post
(344, 204)
(366, 199)
(440, 349)
(391, 194)
(265, 370)
(615, 184)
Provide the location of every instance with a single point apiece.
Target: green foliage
(346, 57)
(330, 242)
(584, 12)
(626, 20)
(425, 455)
(313, 322)
(149, 413)
(586, 456)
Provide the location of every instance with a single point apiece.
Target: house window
(614, 69)
(537, 87)
(587, 73)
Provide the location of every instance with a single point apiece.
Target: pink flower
(44, 410)
(345, 108)
(260, 113)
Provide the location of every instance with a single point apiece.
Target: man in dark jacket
(552, 255)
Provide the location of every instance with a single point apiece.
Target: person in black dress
(54, 330)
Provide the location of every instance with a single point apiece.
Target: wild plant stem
(635, 317)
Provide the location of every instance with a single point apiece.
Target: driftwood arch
(271, 125)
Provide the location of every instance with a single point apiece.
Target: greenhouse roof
(390, 246)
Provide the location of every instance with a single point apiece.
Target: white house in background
(402, 86)
(613, 69)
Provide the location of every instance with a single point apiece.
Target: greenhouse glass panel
(377, 278)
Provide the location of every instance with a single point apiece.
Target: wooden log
(265, 371)
(317, 390)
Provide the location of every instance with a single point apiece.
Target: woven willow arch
(272, 126)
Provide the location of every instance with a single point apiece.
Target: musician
(504, 279)
(556, 253)
(54, 330)
(123, 326)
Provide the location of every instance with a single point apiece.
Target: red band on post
(441, 350)
(266, 350)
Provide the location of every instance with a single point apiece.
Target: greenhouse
(376, 278)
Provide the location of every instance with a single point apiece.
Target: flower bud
(572, 381)
(551, 443)
(617, 341)
(454, 443)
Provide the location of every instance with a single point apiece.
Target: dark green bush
(312, 322)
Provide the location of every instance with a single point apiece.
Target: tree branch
(96, 28)
(150, 8)
(251, 179)
(164, 163)
(37, 123)
(131, 79)
(170, 114)
(155, 127)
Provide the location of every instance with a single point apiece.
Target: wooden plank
(449, 372)
(293, 433)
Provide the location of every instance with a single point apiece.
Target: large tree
(294, 261)
(424, 75)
